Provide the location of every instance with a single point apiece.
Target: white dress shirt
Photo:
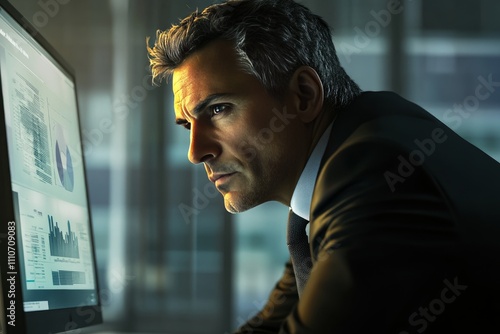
(302, 195)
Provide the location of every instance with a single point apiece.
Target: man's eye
(217, 109)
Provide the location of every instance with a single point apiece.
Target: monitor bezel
(50, 321)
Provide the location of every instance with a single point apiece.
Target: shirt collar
(302, 195)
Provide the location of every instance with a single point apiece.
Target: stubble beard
(241, 201)
(248, 195)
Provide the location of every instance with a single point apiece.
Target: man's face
(247, 139)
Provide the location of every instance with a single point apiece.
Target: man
(402, 212)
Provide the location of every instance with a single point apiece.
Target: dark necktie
(298, 246)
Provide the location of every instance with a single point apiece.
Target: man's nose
(202, 146)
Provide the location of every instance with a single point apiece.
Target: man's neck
(319, 125)
(314, 132)
(302, 195)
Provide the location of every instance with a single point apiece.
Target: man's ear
(308, 94)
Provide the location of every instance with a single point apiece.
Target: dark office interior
(170, 258)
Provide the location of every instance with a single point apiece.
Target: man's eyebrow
(202, 106)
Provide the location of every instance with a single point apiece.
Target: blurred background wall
(170, 258)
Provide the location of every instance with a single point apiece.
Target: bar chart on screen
(55, 243)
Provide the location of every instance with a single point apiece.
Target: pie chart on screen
(63, 161)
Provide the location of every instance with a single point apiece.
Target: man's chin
(236, 204)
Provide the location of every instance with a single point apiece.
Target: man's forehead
(210, 69)
(183, 82)
(180, 79)
(193, 70)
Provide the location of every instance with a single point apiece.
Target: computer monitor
(47, 257)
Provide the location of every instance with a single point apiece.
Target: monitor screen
(53, 258)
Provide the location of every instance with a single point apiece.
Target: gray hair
(272, 38)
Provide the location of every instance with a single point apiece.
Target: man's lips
(220, 176)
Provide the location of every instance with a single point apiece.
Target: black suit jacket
(404, 231)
